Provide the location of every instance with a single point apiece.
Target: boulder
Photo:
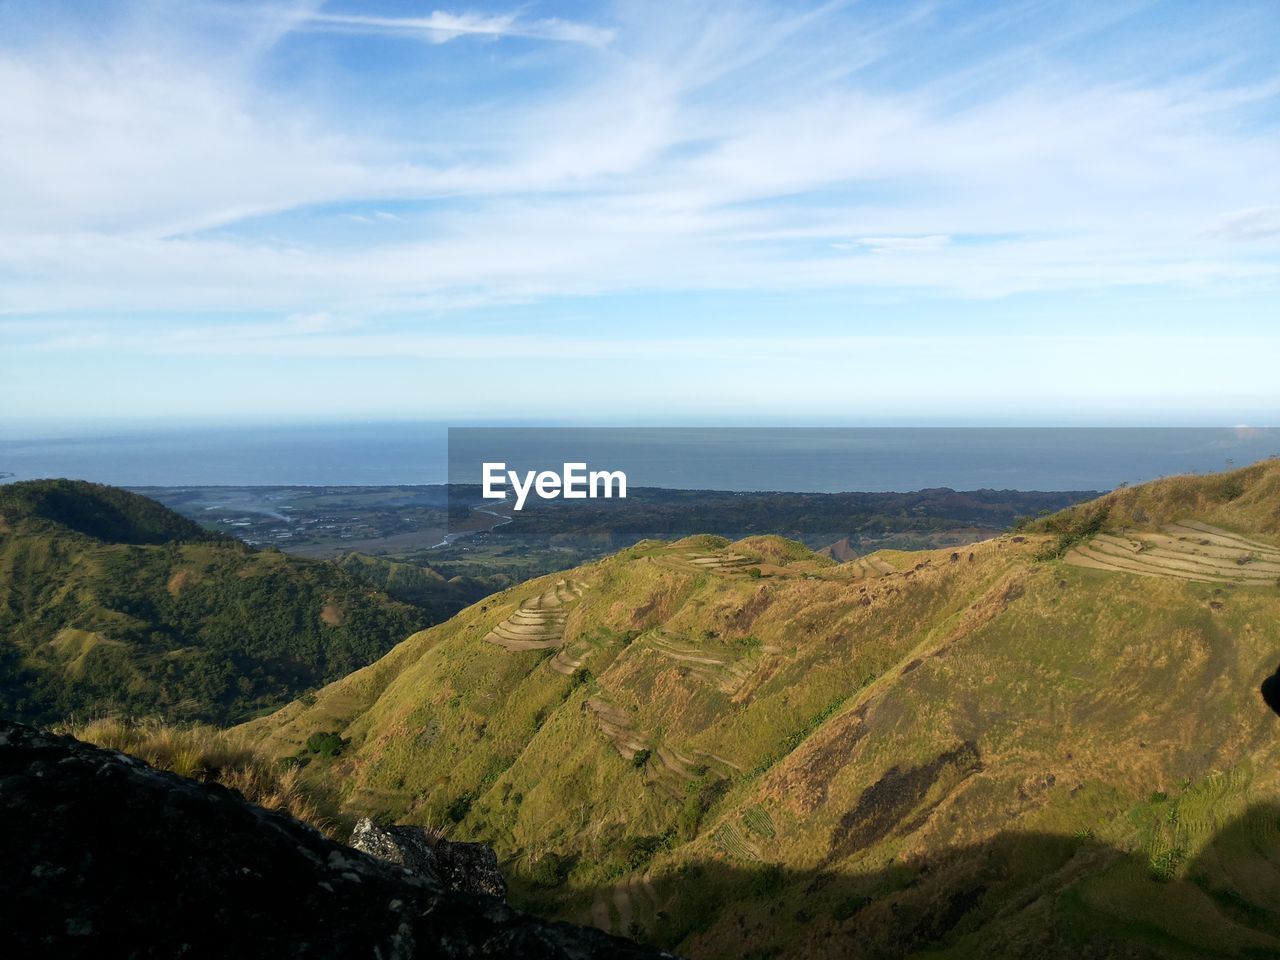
(465, 867)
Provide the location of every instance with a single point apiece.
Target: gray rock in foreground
(463, 867)
(102, 856)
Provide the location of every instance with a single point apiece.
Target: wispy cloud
(238, 160)
(926, 244)
(1260, 223)
(441, 27)
(326, 338)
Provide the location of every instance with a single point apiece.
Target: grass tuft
(209, 755)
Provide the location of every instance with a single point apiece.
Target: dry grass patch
(179, 580)
(209, 755)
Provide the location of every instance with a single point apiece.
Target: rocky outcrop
(464, 867)
(102, 856)
(1271, 691)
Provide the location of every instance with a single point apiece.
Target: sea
(793, 459)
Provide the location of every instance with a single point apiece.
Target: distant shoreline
(749, 460)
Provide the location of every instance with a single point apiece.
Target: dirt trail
(1204, 531)
(719, 561)
(615, 724)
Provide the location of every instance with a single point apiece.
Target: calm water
(774, 458)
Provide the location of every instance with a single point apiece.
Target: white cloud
(721, 146)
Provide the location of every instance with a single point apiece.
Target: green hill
(110, 602)
(99, 512)
(1010, 749)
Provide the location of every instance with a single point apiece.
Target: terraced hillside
(1190, 550)
(747, 749)
(537, 623)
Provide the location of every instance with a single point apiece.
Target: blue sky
(695, 212)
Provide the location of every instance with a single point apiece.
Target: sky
(854, 213)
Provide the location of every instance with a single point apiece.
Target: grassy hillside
(744, 749)
(109, 602)
(1245, 500)
(417, 584)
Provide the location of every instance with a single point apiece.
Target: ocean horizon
(816, 460)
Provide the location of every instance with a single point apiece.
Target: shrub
(549, 870)
(458, 808)
(641, 758)
(326, 743)
(689, 818)
(847, 907)
(1072, 527)
(699, 797)
(1164, 866)
(638, 851)
(1227, 488)
(767, 881)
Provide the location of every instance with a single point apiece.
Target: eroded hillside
(989, 751)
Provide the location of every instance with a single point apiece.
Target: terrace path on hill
(1189, 550)
(538, 623)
